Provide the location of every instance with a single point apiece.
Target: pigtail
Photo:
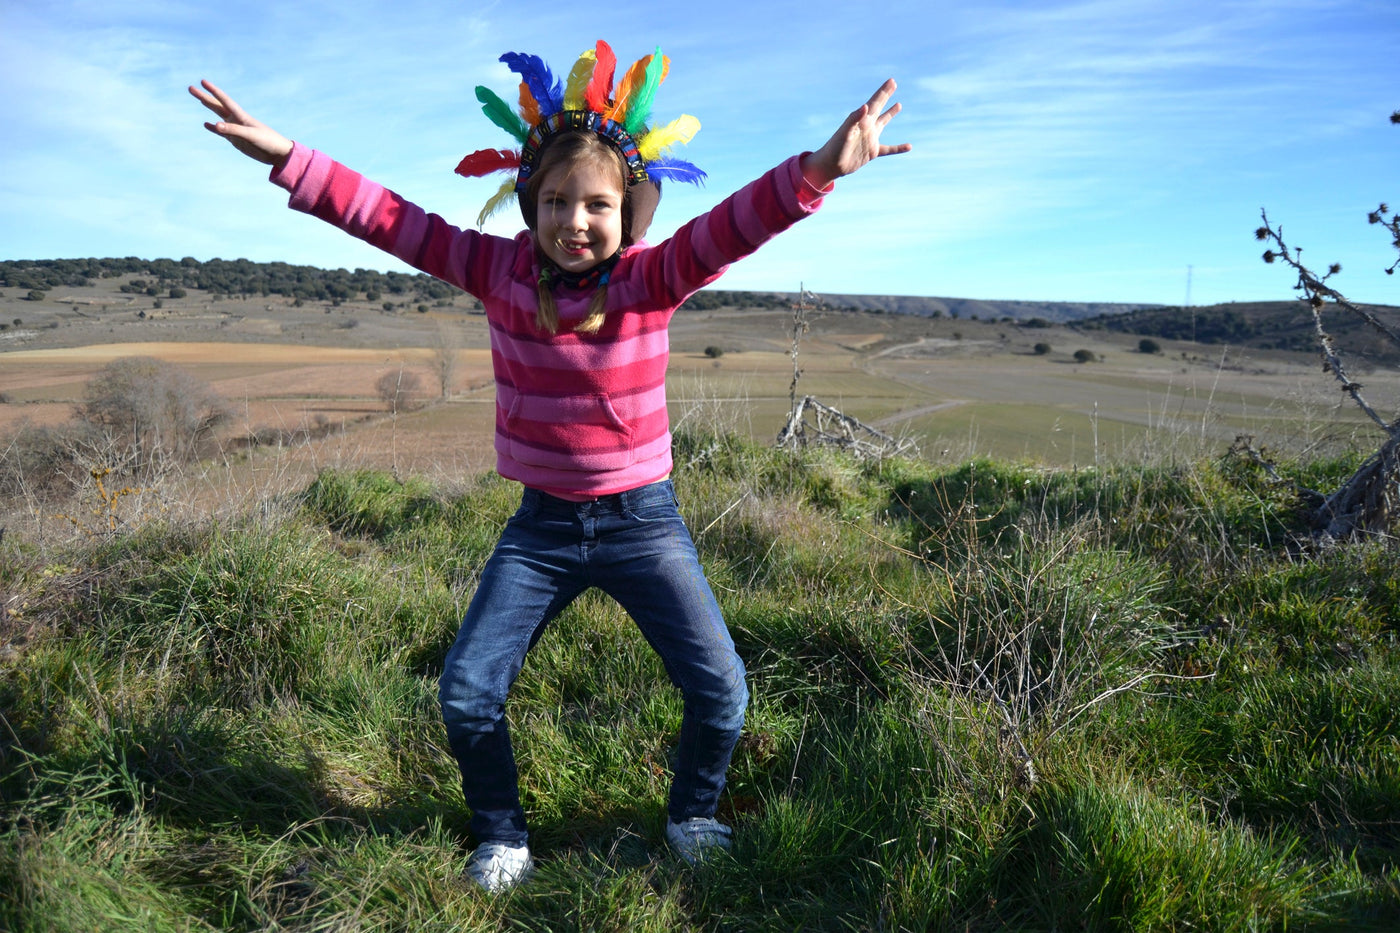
(594, 318)
(547, 312)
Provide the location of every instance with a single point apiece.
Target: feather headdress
(586, 99)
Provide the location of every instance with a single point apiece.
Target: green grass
(985, 696)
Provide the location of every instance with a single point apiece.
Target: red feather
(485, 161)
(599, 91)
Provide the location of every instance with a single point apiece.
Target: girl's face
(579, 215)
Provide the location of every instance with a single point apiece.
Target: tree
(1148, 345)
(155, 412)
(714, 352)
(444, 361)
(1041, 349)
(1084, 356)
(1367, 502)
(401, 389)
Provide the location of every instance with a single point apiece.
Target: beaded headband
(586, 101)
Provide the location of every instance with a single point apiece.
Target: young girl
(578, 308)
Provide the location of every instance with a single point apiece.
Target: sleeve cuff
(291, 172)
(808, 194)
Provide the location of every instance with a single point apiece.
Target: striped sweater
(577, 415)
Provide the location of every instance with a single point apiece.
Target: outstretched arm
(857, 142)
(247, 135)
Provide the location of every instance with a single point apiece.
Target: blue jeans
(635, 547)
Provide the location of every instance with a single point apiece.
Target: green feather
(639, 107)
(502, 114)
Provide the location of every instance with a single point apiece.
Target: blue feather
(669, 169)
(547, 90)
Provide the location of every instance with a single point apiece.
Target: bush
(714, 352)
(39, 463)
(1084, 356)
(1148, 345)
(401, 389)
(152, 412)
(1041, 349)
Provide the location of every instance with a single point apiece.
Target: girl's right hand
(247, 135)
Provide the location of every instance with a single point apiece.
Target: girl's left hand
(856, 143)
(251, 137)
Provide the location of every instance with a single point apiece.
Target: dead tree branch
(812, 423)
(1368, 503)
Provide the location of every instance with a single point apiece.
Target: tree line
(226, 277)
(243, 278)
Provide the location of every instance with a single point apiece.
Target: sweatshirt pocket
(583, 433)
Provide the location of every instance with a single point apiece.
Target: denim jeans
(635, 547)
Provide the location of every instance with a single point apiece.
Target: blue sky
(1108, 150)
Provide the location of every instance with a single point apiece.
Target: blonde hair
(570, 148)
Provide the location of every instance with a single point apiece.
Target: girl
(578, 307)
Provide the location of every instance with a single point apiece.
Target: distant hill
(1269, 325)
(1263, 325)
(1056, 312)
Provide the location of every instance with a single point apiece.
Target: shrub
(152, 412)
(39, 463)
(400, 389)
(1084, 356)
(1041, 349)
(1148, 345)
(714, 352)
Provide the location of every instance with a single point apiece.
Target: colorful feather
(497, 201)
(529, 107)
(500, 113)
(639, 107)
(548, 92)
(676, 133)
(579, 77)
(600, 86)
(630, 80)
(666, 168)
(485, 161)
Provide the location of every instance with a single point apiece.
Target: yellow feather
(676, 133)
(578, 80)
(497, 200)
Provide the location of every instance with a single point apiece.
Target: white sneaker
(499, 867)
(697, 837)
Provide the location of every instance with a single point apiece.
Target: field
(1073, 667)
(958, 388)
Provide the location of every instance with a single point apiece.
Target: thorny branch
(1367, 502)
(1316, 293)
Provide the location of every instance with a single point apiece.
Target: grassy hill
(985, 697)
(1266, 325)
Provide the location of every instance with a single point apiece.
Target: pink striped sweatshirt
(577, 415)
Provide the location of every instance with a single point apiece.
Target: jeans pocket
(658, 505)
